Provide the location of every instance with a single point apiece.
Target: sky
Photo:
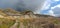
(22, 4)
(47, 7)
(52, 9)
(55, 7)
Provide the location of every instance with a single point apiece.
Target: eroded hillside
(27, 19)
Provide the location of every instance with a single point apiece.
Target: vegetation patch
(6, 23)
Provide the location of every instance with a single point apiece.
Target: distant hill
(11, 12)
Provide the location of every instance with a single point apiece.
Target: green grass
(6, 23)
(56, 21)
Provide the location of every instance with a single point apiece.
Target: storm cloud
(21, 5)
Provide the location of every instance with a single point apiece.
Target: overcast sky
(49, 7)
(29, 4)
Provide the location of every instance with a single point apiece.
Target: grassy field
(28, 23)
(6, 23)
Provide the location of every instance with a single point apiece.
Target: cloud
(46, 5)
(52, 1)
(56, 6)
(51, 13)
(56, 0)
(8, 3)
(21, 5)
(31, 4)
(56, 10)
(35, 5)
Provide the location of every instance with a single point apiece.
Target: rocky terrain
(27, 19)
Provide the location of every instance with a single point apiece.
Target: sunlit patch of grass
(56, 21)
(25, 22)
(6, 23)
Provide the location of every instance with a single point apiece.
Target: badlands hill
(12, 13)
(10, 18)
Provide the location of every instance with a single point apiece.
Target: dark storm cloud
(22, 4)
(30, 4)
